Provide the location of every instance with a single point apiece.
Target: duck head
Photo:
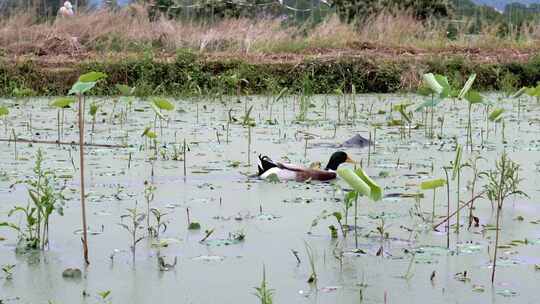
(337, 159)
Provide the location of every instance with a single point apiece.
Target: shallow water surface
(276, 218)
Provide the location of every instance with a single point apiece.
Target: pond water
(223, 194)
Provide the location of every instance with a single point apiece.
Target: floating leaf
(433, 184)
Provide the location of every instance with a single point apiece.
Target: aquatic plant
(149, 190)
(502, 183)
(192, 225)
(8, 271)
(263, 292)
(135, 223)
(472, 98)
(45, 198)
(472, 163)
(433, 185)
(159, 105)
(438, 88)
(311, 257)
(61, 104)
(456, 174)
(85, 83)
(160, 222)
(362, 184)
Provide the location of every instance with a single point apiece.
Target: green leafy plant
(85, 83)
(159, 105)
(160, 223)
(61, 104)
(438, 88)
(502, 183)
(134, 225)
(362, 185)
(45, 198)
(263, 292)
(149, 193)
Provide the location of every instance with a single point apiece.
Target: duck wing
(304, 174)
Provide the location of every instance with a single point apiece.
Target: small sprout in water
(194, 226)
(8, 271)
(104, 295)
(262, 292)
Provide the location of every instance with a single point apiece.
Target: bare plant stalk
(249, 145)
(497, 227)
(185, 159)
(447, 209)
(81, 158)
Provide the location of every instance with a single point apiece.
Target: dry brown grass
(130, 30)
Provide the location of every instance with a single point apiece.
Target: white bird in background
(66, 10)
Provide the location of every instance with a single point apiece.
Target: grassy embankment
(386, 54)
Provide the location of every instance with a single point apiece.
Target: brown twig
(463, 206)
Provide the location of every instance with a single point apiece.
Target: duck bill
(350, 160)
